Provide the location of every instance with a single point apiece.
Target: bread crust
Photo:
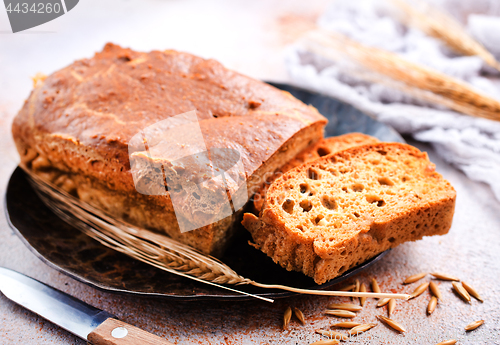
(76, 126)
(385, 203)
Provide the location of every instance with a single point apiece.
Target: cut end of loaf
(327, 216)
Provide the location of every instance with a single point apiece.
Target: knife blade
(94, 325)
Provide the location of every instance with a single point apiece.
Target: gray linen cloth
(469, 143)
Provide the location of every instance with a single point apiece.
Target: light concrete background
(250, 37)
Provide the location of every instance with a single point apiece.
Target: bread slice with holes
(321, 148)
(327, 216)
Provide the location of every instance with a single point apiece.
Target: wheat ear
(421, 82)
(155, 249)
(442, 26)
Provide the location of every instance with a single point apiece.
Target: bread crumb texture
(321, 148)
(329, 215)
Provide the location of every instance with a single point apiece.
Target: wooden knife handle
(115, 332)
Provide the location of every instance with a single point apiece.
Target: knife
(94, 325)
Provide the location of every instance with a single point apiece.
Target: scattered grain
(391, 306)
(341, 313)
(474, 325)
(391, 323)
(345, 306)
(472, 291)
(432, 305)
(356, 288)
(461, 291)
(414, 278)
(375, 287)
(326, 342)
(448, 342)
(435, 290)
(287, 317)
(419, 290)
(361, 328)
(347, 324)
(362, 300)
(298, 313)
(383, 302)
(442, 276)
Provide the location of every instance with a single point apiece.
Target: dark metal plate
(66, 249)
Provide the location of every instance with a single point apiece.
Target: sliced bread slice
(321, 148)
(327, 216)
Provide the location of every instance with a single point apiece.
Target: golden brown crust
(79, 121)
(321, 148)
(329, 215)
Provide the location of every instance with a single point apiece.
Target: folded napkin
(469, 143)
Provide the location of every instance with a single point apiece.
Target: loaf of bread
(327, 216)
(321, 148)
(76, 129)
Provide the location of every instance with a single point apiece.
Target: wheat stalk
(378, 65)
(154, 249)
(158, 250)
(440, 25)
